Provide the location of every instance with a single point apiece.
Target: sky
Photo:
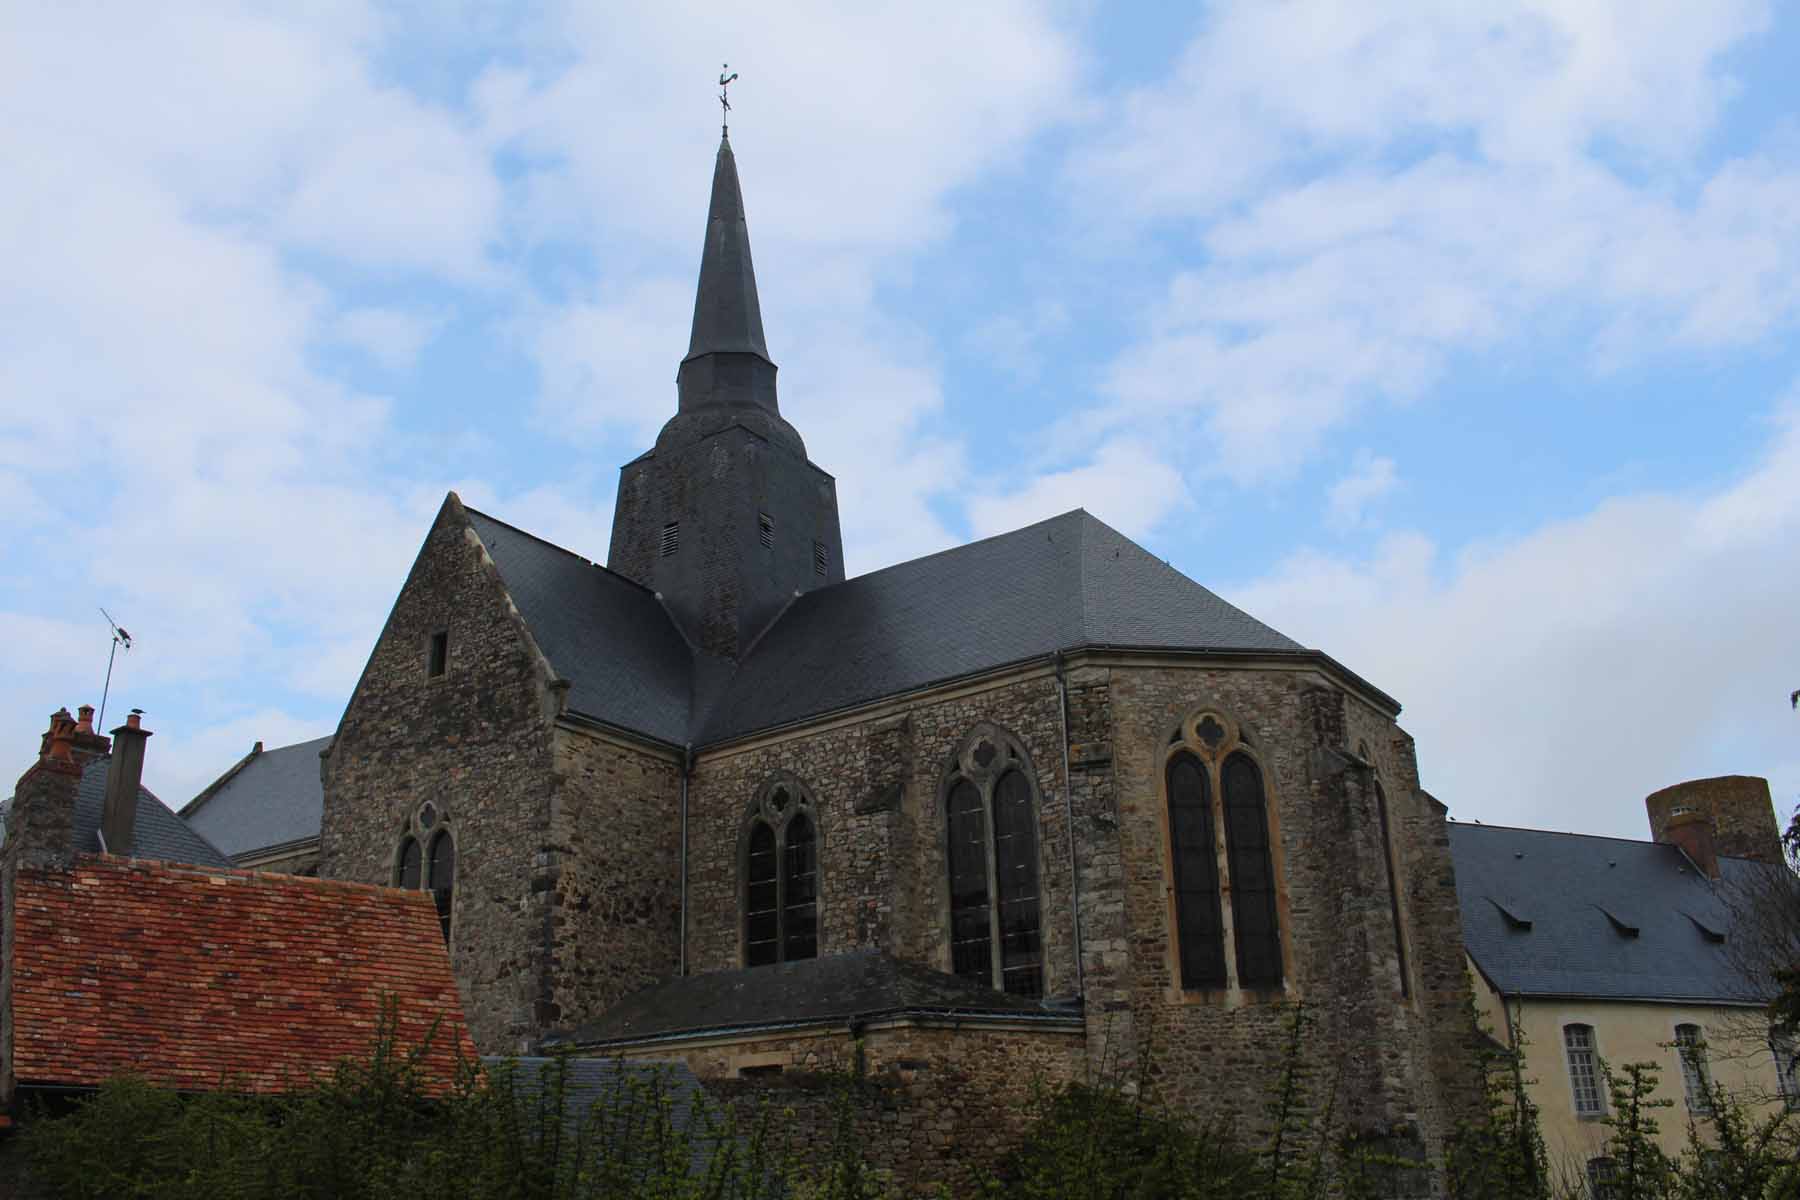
(1456, 341)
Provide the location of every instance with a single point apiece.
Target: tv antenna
(119, 638)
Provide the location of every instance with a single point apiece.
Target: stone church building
(1039, 805)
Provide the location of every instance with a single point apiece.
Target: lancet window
(781, 876)
(426, 858)
(1221, 858)
(990, 805)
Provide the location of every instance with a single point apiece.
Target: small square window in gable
(437, 655)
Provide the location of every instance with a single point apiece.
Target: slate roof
(273, 798)
(1580, 894)
(158, 833)
(626, 662)
(835, 987)
(199, 979)
(1067, 582)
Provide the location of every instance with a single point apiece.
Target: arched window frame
(1390, 851)
(780, 801)
(425, 827)
(1211, 738)
(983, 760)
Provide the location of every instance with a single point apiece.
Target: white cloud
(1557, 678)
(1373, 193)
(1127, 485)
(393, 337)
(1368, 481)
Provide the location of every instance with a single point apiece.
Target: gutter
(1062, 707)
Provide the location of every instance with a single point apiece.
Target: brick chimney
(1737, 809)
(118, 815)
(1692, 830)
(40, 829)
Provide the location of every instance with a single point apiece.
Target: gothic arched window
(1218, 806)
(781, 876)
(1393, 874)
(992, 856)
(433, 869)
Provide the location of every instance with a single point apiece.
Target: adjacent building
(264, 810)
(1593, 950)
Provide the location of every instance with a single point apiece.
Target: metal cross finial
(725, 81)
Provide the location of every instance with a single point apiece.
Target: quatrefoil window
(1210, 731)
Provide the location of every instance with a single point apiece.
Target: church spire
(727, 316)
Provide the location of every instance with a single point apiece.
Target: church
(1036, 807)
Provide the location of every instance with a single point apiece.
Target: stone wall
(1212, 1053)
(933, 1105)
(476, 742)
(1739, 807)
(877, 783)
(612, 872)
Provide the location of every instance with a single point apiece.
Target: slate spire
(727, 317)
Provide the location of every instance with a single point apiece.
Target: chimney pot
(86, 722)
(118, 815)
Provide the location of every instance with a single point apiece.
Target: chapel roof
(201, 979)
(864, 984)
(1065, 583)
(270, 798)
(158, 832)
(1553, 914)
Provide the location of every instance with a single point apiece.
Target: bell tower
(725, 517)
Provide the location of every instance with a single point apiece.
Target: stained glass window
(800, 887)
(1199, 923)
(1253, 909)
(408, 874)
(762, 913)
(443, 878)
(971, 934)
(1015, 874)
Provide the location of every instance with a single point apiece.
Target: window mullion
(1222, 856)
(996, 976)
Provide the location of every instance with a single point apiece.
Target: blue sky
(1456, 343)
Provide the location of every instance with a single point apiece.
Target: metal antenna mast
(119, 638)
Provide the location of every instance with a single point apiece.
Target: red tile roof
(199, 978)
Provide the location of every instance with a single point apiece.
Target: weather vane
(725, 81)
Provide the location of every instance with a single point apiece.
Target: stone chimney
(40, 829)
(118, 815)
(1736, 809)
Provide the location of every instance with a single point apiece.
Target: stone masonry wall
(877, 784)
(612, 871)
(933, 1105)
(1212, 1052)
(476, 742)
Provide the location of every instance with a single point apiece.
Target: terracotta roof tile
(201, 978)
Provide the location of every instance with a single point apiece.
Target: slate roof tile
(274, 799)
(158, 832)
(201, 979)
(832, 987)
(1565, 885)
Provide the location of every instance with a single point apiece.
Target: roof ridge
(248, 875)
(1604, 837)
(542, 541)
(947, 550)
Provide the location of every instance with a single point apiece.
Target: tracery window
(426, 858)
(1584, 1070)
(781, 876)
(1690, 1044)
(1221, 858)
(990, 805)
